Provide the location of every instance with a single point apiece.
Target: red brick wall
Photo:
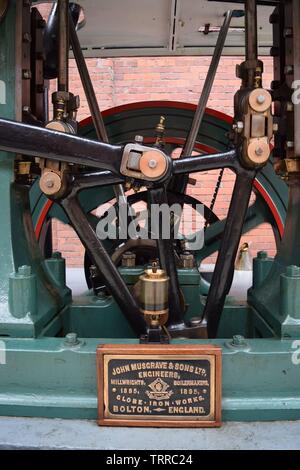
(125, 80)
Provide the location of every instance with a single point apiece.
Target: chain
(214, 198)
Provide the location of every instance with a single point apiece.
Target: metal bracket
(145, 163)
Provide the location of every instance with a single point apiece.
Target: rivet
(260, 99)
(259, 151)
(152, 164)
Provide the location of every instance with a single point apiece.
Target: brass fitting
(143, 163)
(128, 259)
(187, 260)
(53, 180)
(160, 131)
(154, 288)
(254, 126)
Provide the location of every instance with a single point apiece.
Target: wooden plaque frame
(173, 353)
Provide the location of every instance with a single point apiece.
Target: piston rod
(251, 40)
(63, 52)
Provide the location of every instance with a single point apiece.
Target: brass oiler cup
(154, 290)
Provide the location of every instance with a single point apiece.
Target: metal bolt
(26, 109)
(259, 151)
(288, 32)
(128, 259)
(49, 184)
(187, 260)
(261, 99)
(24, 270)
(27, 37)
(262, 255)
(139, 139)
(240, 126)
(195, 321)
(238, 340)
(289, 106)
(152, 164)
(289, 69)
(293, 271)
(290, 144)
(71, 339)
(26, 74)
(93, 270)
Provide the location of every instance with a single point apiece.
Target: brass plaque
(159, 385)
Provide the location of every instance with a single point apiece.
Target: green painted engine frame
(44, 374)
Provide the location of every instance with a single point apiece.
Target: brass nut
(128, 259)
(153, 164)
(260, 100)
(50, 183)
(258, 151)
(24, 168)
(187, 260)
(238, 127)
(292, 165)
(60, 126)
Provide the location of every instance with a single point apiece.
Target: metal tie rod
(210, 77)
(91, 98)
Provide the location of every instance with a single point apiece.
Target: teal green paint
(56, 266)
(7, 110)
(262, 265)
(50, 298)
(45, 377)
(186, 276)
(259, 383)
(270, 298)
(30, 308)
(290, 295)
(22, 293)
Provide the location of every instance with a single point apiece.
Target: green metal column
(30, 297)
(9, 101)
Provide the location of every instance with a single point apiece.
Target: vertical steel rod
(198, 116)
(251, 29)
(63, 53)
(251, 39)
